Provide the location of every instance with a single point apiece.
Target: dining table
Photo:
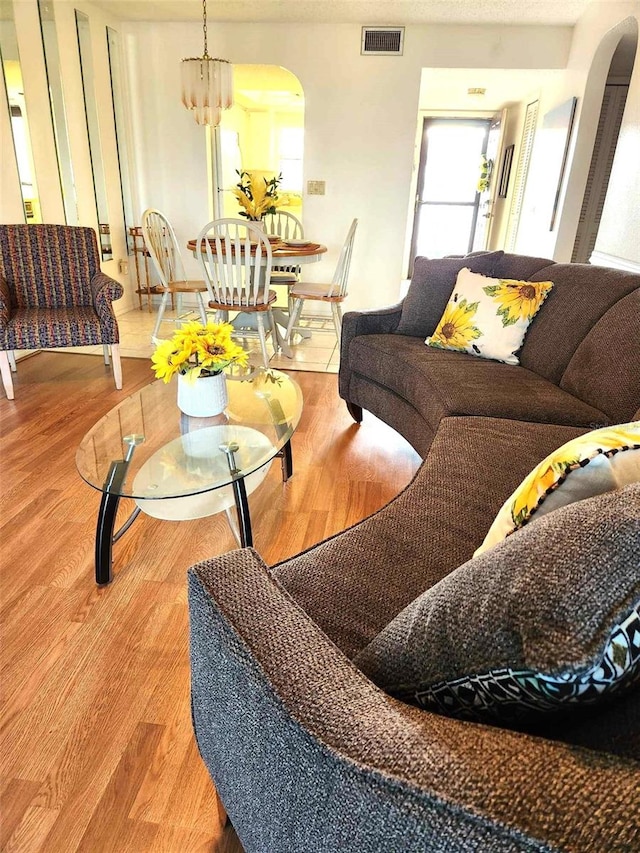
(284, 253)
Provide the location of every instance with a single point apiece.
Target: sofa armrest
(375, 322)
(104, 291)
(307, 754)
(5, 303)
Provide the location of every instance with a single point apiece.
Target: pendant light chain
(204, 28)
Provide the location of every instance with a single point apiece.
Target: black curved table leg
(239, 494)
(106, 521)
(286, 461)
(104, 538)
(242, 508)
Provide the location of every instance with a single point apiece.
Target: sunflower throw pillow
(489, 317)
(600, 461)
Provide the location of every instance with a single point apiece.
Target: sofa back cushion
(520, 266)
(544, 625)
(605, 368)
(581, 295)
(431, 286)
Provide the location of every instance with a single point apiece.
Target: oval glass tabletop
(170, 455)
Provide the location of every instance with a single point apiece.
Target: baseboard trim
(603, 259)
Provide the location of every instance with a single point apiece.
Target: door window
(447, 196)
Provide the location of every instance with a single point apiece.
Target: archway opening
(611, 112)
(263, 133)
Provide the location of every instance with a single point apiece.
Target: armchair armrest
(104, 291)
(5, 303)
(375, 322)
(307, 754)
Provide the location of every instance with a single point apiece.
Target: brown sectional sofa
(306, 753)
(579, 365)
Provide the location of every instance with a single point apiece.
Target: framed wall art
(505, 174)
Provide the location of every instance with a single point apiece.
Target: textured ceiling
(563, 12)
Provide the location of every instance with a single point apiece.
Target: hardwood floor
(97, 751)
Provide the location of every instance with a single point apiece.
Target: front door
(447, 197)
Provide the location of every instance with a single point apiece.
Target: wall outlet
(315, 187)
(123, 267)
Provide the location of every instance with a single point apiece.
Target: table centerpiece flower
(198, 354)
(258, 196)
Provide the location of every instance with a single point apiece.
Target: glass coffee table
(177, 467)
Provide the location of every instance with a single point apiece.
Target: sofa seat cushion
(545, 623)
(355, 582)
(438, 383)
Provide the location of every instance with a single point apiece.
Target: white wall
(595, 39)
(360, 125)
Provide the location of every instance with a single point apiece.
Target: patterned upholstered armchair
(53, 294)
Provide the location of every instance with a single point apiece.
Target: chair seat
(282, 277)
(238, 302)
(187, 287)
(34, 328)
(311, 290)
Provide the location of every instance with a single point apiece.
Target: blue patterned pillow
(547, 621)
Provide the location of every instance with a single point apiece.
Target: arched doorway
(263, 133)
(611, 112)
(587, 130)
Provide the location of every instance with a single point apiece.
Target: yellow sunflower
(168, 358)
(536, 485)
(552, 471)
(455, 329)
(196, 348)
(518, 300)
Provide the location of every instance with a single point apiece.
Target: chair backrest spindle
(236, 259)
(162, 245)
(341, 275)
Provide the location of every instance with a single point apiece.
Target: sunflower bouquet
(257, 195)
(197, 350)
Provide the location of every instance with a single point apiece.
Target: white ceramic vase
(205, 397)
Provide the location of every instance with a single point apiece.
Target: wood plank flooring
(97, 752)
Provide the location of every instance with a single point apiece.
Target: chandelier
(207, 83)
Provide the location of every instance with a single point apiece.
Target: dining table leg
(281, 319)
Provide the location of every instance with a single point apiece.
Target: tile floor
(318, 354)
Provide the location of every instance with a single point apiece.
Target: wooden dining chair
(162, 245)
(284, 224)
(333, 293)
(235, 257)
(288, 227)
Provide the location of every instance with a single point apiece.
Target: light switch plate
(315, 187)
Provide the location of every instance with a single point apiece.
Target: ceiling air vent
(382, 41)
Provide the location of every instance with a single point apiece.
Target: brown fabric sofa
(579, 365)
(306, 753)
